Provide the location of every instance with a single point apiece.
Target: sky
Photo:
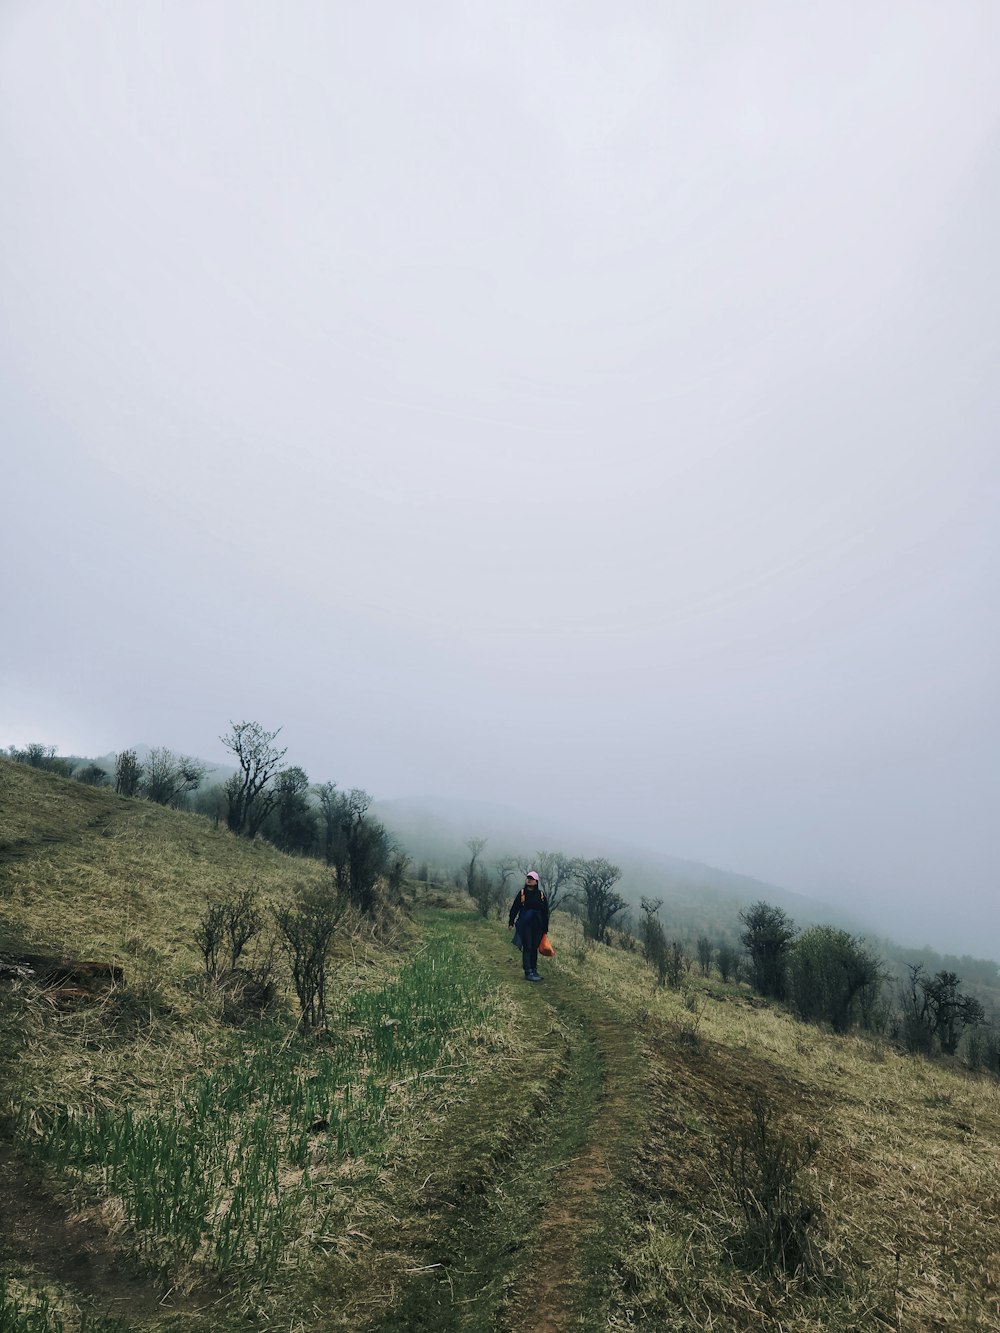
(591, 408)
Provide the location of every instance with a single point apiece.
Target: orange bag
(545, 947)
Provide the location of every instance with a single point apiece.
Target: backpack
(541, 893)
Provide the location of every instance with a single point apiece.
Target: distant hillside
(696, 897)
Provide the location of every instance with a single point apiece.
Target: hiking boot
(533, 976)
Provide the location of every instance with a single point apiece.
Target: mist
(588, 409)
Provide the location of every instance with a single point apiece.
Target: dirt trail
(514, 1226)
(569, 1235)
(593, 1127)
(38, 1235)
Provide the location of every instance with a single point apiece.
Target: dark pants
(530, 929)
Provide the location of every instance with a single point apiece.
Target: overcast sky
(589, 407)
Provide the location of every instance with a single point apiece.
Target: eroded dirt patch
(41, 1238)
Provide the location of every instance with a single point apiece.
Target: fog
(589, 408)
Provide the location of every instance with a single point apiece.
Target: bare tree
(933, 1007)
(475, 846)
(596, 880)
(307, 929)
(168, 777)
(331, 806)
(556, 871)
(951, 1012)
(248, 791)
(504, 869)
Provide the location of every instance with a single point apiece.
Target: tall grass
(220, 1175)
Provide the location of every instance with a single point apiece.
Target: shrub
(307, 929)
(761, 1164)
(833, 978)
(484, 891)
(981, 1049)
(705, 951)
(678, 964)
(225, 930)
(729, 962)
(399, 863)
(37, 755)
(767, 936)
(128, 773)
(654, 938)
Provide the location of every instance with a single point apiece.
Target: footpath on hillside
(513, 1224)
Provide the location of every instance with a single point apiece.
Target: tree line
(826, 975)
(823, 974)
(261, 798)
(829, 977)
(584, 887)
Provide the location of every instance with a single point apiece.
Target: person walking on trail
(530, 911)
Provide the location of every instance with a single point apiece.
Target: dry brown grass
(121, 879)
(93, 875)
(907, 1176)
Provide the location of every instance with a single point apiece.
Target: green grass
(227, 1175)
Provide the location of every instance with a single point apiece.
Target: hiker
(530, 911)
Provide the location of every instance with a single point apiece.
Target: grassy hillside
(460, 1150)
(123, 879)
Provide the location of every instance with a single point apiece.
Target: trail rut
(38, 1235)
(530, 1249)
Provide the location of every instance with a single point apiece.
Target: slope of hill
(459, 1150)
(92, 871)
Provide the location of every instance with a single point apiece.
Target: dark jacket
(532, 907)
